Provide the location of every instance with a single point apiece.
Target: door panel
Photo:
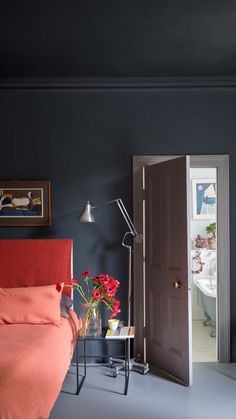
(173, 228)
(155, 220)
(174, 314)
(167, 272)
(156, 303)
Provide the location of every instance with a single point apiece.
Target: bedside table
(110, 342)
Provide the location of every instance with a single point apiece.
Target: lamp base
(118, 364)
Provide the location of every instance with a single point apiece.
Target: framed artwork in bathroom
(25, 203)
(204, 199)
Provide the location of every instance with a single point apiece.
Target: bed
(34, 358)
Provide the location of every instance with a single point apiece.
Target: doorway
(221, 165)
(203, 228)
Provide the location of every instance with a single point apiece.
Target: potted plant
(211, 231)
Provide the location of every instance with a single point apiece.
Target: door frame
(221, 163)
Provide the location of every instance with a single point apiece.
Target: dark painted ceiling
(117, 38)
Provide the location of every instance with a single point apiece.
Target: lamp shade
(86, 215)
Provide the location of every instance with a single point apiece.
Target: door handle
(177, 284)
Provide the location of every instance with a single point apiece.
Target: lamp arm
(123, 211)
(104, 204)
(126, 217)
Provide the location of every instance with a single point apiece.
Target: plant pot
(91, 320)
(211, 243)
(199, 242)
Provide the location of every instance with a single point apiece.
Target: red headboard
(35, 262)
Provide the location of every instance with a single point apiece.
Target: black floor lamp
(87, 217)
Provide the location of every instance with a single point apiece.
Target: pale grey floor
(204, 346)
(212, 396)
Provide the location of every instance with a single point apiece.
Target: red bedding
(34, 360)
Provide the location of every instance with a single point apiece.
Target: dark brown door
(168, 294)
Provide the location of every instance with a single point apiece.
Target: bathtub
(208, 293)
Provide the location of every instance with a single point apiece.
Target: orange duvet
(34, 360)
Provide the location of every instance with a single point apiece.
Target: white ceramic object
(113, 324)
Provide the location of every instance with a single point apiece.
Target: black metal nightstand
(109, 342)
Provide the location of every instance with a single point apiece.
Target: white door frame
(221, 163)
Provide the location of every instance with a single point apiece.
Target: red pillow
(34, 305)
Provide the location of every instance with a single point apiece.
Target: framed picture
(25, 203)
(204, 199)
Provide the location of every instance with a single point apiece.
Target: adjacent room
(204, 270)
(117, 203)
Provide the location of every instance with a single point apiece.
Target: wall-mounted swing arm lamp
(87, 217)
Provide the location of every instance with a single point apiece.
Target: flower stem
(82, 293)
(106, 304)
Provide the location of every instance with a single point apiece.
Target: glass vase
(92, 322)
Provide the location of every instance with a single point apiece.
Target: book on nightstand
(120, 333)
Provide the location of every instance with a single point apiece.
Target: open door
(168, 286)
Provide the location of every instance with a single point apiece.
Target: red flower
(114, 282)
(110, 289)
(114, 313)
(58, 287)
(111, 292)
(116, 304)
(96, 279)
(103, 276)
(103, 279)
(74, 281)
(86, 273)
(97, 294)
